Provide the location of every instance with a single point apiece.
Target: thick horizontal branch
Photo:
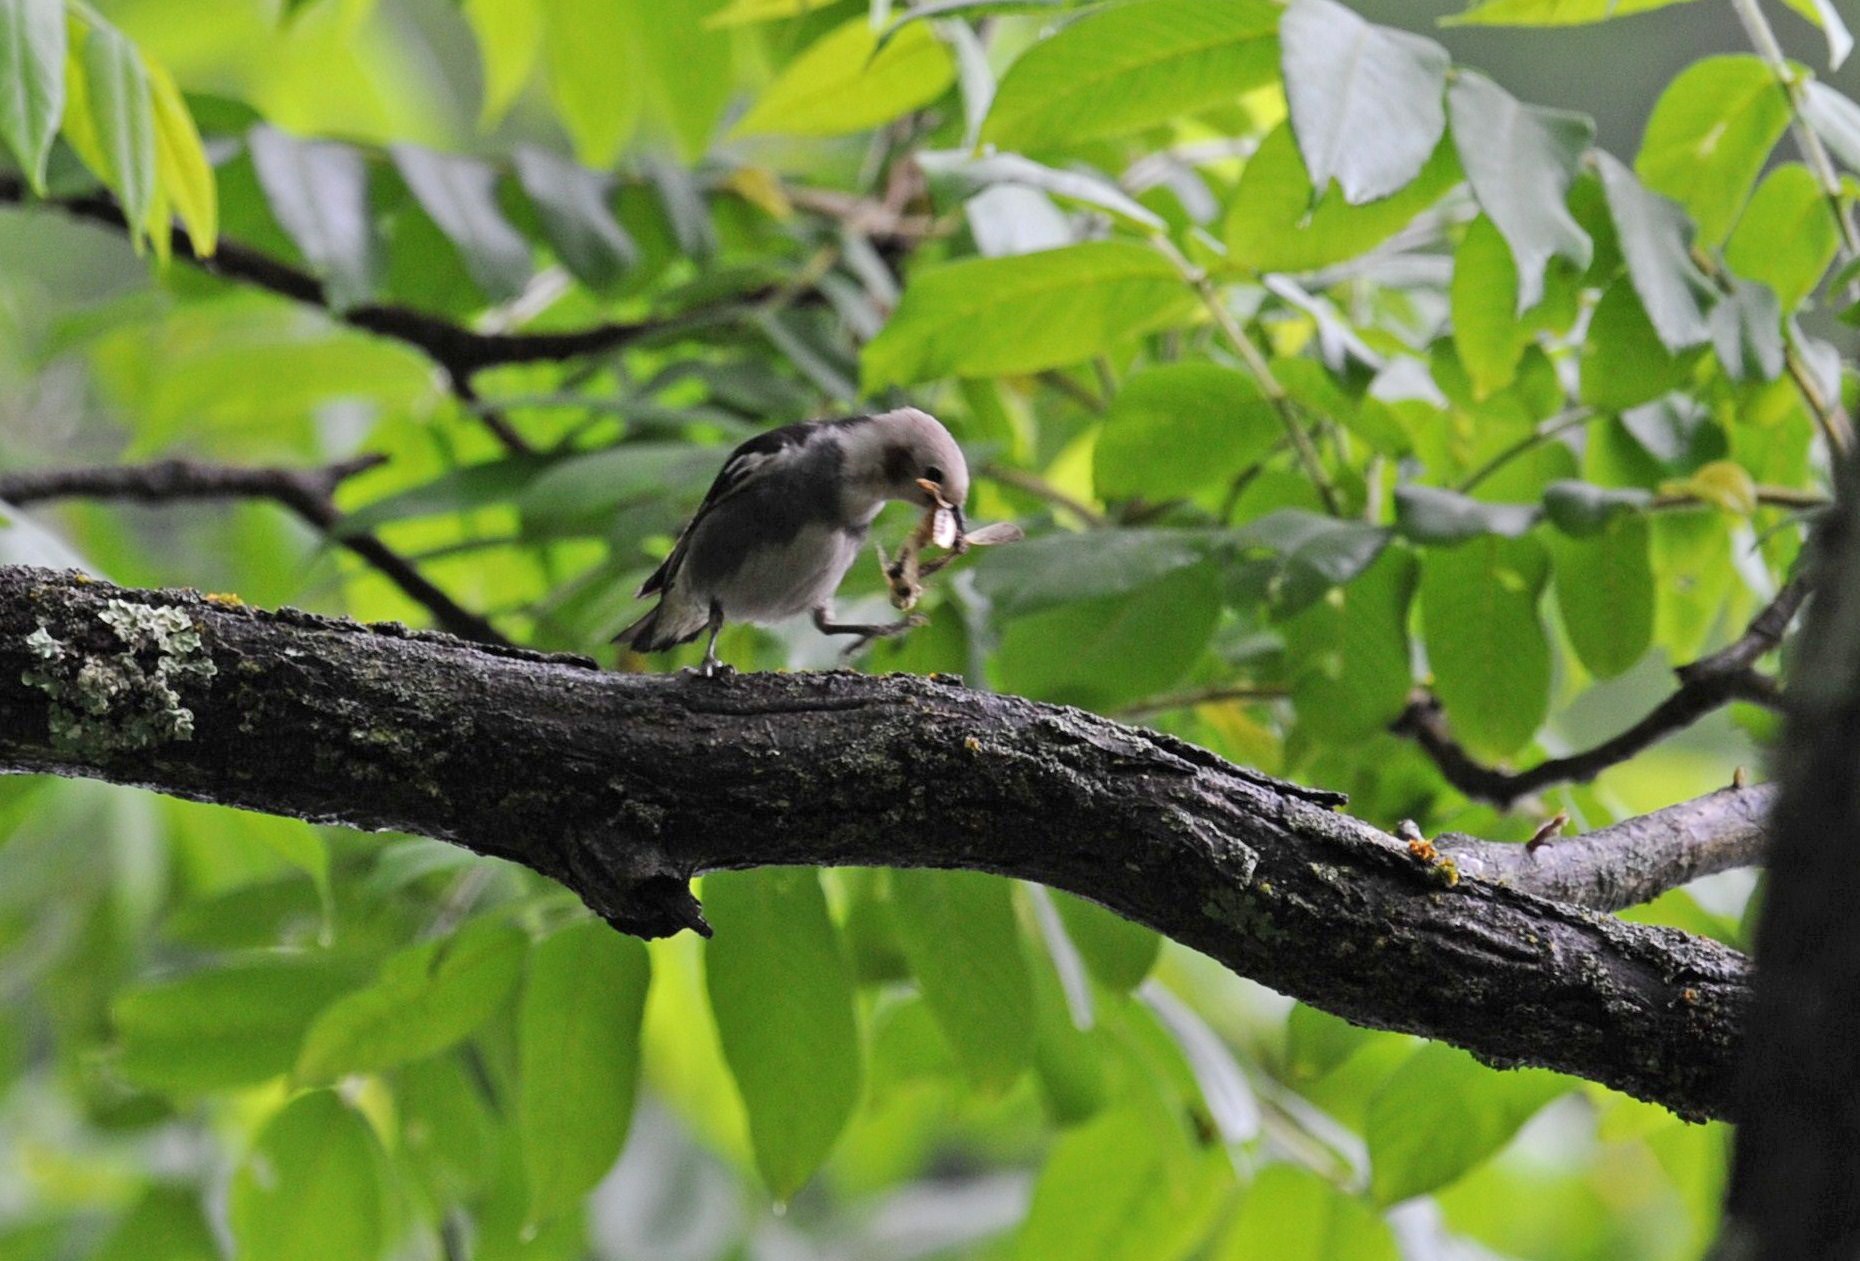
(1633, 861)
(1705, 685)
(307, 492)
(624, 786)
(460, 351)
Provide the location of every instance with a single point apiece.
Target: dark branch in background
(624, 786)
(1797, 1164)
(1633, 861)
(1707, 684)
(310, 493)
(459, 351)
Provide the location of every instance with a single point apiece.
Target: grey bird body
(786, 518)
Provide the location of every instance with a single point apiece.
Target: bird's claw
(709, 670)
(887, 631)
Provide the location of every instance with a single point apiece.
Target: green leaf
(782, 994)
(318, 190)
(1656, 240)
(995, 316)
(599, 105)
(1485, 640)
(1835, 118)
(1348, 656)
(1824, 15)
(1787, 237)
(1443, 1113)
(1553, 12)
(166, 1224)
(1605, 592)
(1058, 569)
(460, 195)
(32, 81)
(844, 82)
(1747, 332)
(1366, 101)
(1178, 428)
(1428, 514)
(509, 34)
(1709, 137)
(1521, 160)
(1273, 225)
(311, 1187)
(425, 999)
(1119, 649)
(1484, 295)
(1624, 361)
(1317, 1042)
(957, 929)
(1310, 553)
(572, 203)
(1130, 67)
(1291, 1214)
(745, 12)
(181, 162)
(1123, 1187)
(1581, 509)
(578, 1046)
(233, 1025)
(116, 89)
(1119, 953)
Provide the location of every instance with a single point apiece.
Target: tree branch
(1633, 861)
(624, 786)
(307, 492)
(459, 351)
(1707, 684)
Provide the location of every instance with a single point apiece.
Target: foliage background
(225, 1031)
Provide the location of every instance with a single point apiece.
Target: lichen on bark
(124, 700)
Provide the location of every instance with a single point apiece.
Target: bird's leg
(866, 631)
(712, 667)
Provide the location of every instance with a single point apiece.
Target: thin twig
(307, 492)
(1704, 685)
(1814, 152)
(1037, 486)
(1573, 419)
(459, 350)
(1204, 696)
(1276, 394)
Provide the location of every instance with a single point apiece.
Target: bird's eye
(933, 474)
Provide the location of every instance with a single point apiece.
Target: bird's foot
(711, 669)
(886, 631)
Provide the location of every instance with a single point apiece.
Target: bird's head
(921, 464)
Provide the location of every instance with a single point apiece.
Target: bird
(784, 521)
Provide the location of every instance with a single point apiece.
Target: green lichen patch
(122, 701)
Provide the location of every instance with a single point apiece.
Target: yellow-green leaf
(1133, 66)
(181, 163)
(510, 37)
(992, 316)
(587, 46)
(311, 1187)
(844, 82)
(122, 118)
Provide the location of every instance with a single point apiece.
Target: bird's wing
(755, 459)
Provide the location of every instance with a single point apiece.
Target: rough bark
(1633, 861)
(1795, 1188)
(624, 786)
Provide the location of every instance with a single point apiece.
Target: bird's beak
(934, 490)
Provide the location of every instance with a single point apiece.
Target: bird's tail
(663, 627)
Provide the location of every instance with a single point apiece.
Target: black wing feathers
(750, 455)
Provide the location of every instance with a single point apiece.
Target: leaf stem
(1275, 392)
(1575, 418)
(1814, 152)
